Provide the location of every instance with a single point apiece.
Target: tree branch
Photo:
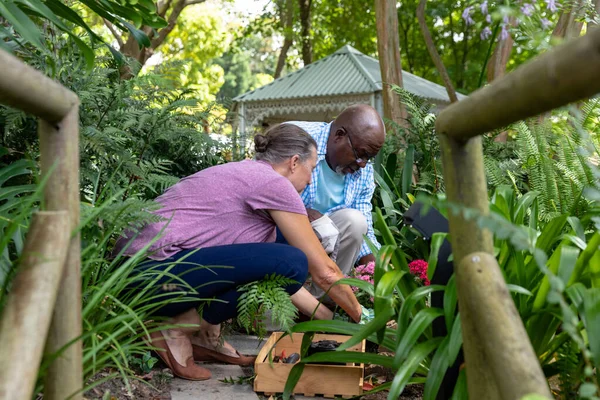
(114, 32)
(172, 21)
(163, 6)
(435, 56)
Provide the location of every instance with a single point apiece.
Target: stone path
(214, 389)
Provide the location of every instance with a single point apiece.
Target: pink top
(217, 206)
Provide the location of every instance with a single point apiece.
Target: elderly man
(343, 182)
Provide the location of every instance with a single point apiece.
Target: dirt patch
(411, 392)
(152, 386)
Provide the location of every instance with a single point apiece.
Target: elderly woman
(227, 215)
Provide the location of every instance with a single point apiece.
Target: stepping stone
(246, 344)
(213, 389)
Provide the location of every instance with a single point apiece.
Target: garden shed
(319, 91)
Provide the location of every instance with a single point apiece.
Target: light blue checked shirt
(358, 187)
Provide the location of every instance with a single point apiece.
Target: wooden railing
(42, 314)
(500, 361)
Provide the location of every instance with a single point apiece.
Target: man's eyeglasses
(358, 159)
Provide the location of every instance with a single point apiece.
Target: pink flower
(419, 269)
(368, 269)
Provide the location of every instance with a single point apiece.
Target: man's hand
(313, 215)
(364, 260)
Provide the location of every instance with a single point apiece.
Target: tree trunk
(388, 47)
(435, 56)
(305, 32)
(593, 24)
(496, 67)
(287, 19)
(131, 48)
(567, 26)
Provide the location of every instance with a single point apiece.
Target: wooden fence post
(64, 378)
(27, 312)
(464, 177)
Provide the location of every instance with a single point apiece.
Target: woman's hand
(297, 231)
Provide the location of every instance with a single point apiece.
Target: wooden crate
(328, 380)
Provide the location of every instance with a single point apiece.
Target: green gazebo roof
(345, 72)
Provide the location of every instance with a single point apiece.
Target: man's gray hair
(282, 142)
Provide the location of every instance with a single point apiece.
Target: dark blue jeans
(234, 265)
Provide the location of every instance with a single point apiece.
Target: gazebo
(321, 90)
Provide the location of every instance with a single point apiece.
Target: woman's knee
(296, 266)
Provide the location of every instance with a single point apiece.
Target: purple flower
(485, 33)
(551, 5)
(527, 9)
(545, 23)
(484, 7)
(466, 15)
(504, 33)
(488, 18)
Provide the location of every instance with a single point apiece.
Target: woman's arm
(297, 231)
(306, 303)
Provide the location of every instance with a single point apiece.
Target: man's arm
(325, 273)
(362, 203)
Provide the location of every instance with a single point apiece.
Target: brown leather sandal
(190, 371)
(204, 354)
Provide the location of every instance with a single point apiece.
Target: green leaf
(45, 12)
(450, 301)
(409, 304)
(416, 356)
(518, 289)
(359, 283)
(591, 314)
(414, 332)
(407, 171)
(341, 327)
(292, 380)
(368, 329)
(524, 203)
(444, 356)
(436, 242)
(460, 390)
(386, 285)
(349, 357)
(551, 232)
(137, 34)
(587, 390)
(22, 23)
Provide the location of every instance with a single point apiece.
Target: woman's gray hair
(282, 142)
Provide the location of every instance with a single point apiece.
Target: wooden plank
(328, 379)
